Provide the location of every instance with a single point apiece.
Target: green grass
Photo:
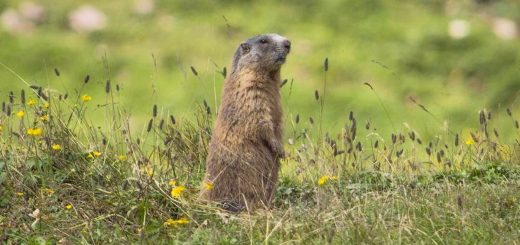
(112, 184)
(444, 169)
(401, 48)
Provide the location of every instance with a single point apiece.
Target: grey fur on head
(266, 50)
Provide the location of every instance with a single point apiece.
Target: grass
(65, 179)
(387, 141)
(402, 48)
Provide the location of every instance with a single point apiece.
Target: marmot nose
(287, 45)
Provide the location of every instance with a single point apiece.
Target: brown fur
(246, 145)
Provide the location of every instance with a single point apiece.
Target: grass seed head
(194, 71)
(22, 97)
(326, 64)
(11, 97)
(150, 124)
(161, 124)
(154, 111)
(224, 72)
(283, 83)
(107, 86)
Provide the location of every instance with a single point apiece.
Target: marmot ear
(245, 48)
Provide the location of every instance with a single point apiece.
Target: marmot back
(246, 144)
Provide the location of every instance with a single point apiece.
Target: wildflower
(169, 222)
(172, 222)
(87, 18)
(56, 147)
(46, 105)
(172, 182)
(86, 98)
(458, 29)
(68, 206)
(20, 194)
(34, 131)
(208, 186)
(324, 179)
(20, 114)
(31, 102)
(505, 29)
(177, 191)
(94, 154)
(148, 169)
(44, 118)
(121, 157)
(36, 214)
(470, 141)
(47, 191)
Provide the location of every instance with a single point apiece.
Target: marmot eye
(263, 41)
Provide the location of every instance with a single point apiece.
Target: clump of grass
(63, 179)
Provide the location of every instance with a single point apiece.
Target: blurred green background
(454, 57)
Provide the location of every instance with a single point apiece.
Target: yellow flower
(20, 194)
(44, 118)
(47, 191)
(68, 206)
(169, 222)
(31, 102)
(121, 157)
(20, 114)
(56, 147)
(208, 186)
(172, 182)
(172, 222)
(94, 154)
(86, 98)
(470, 141)
(325, 178)
(34, 131)
(148, 169)
(46, 105)
(177, 191)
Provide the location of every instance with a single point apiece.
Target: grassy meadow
(398, 129)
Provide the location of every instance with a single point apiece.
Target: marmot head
(266, 52)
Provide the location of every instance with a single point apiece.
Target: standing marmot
(246, 145)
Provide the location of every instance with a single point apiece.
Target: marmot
(246, 145)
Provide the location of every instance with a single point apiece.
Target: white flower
(33, 12)
(144, 7)
(458, 29)
(87, 19)
(505, 28)
(13, 22)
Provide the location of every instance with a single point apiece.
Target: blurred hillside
(453, 57)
